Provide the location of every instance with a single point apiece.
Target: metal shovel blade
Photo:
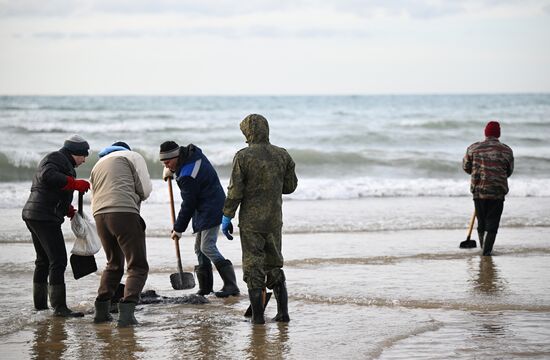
(182, 281)
(468, 244)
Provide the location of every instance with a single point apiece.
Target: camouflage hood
(256, 129)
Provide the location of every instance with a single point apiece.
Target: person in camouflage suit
(490, 163)
(261, 174)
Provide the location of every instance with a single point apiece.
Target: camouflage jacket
(261, 174)
(490, 163)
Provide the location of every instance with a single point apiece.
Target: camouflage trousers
(262, 259)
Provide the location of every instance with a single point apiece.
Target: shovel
(468, 244)
(180, 280)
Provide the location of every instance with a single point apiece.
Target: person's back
(120, 183)
(269, 173)
(490, 163)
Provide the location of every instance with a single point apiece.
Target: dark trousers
(123, 237)
(51, 254)
(488, 214)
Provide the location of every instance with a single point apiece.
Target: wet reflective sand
(366, 295)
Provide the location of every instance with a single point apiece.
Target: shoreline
(340, 216)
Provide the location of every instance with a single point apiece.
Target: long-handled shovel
(468, 244)
(180, 280)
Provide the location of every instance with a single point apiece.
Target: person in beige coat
(120, 182)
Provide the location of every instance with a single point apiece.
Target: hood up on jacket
(256, 129)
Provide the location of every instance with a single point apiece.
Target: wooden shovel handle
(173, 215)
(471, 225)
(172, 211)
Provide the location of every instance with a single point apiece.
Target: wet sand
(383, 295)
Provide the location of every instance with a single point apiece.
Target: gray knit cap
(76, 145)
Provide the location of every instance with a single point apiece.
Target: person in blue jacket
(202, 201)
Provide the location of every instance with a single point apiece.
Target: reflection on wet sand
(50, 338)
(488, 280)
(118, 343)
(268, 342)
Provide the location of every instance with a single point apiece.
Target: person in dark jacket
(261, 174)
(202, 200)
(489, 163)
(44, 212)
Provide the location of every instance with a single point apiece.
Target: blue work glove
(227, 227)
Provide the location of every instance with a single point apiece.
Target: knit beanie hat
(122, 144)
(492, 129)
(76, 145)
(169, 150)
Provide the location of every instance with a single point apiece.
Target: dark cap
(169, 150)
(76, 145)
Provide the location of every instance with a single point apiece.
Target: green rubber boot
(126, 314)
(102, 311)
(58, 300)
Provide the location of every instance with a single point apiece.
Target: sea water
(370, 236)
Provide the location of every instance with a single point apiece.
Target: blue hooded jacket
(201, 192)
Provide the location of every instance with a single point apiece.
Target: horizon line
(285, 95)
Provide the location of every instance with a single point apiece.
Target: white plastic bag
(87, 241)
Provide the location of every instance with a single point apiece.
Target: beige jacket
(120, 182)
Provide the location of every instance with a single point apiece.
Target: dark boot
(282, 302)
(257, 304)
(227, 273)
(102, 311)
(481, 235)
(126, 314)
(58, 300)
(205, 278)
(40, 296)
(488, 245)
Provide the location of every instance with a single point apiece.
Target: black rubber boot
(102, 311)
(227, 272)
(205, 278)
(58, 300)
(256, 301)
(481, 235)
(40, 296)
(282, 302)
(126, 314)
(488, 245)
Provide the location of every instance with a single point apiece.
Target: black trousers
(488, 214)
(51, 254)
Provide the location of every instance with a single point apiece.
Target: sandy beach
(390, 294)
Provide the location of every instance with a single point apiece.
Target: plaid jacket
(490, 163)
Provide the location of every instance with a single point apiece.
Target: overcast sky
(275, 47)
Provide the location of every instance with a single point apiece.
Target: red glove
(76, 184)
(71, 212)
